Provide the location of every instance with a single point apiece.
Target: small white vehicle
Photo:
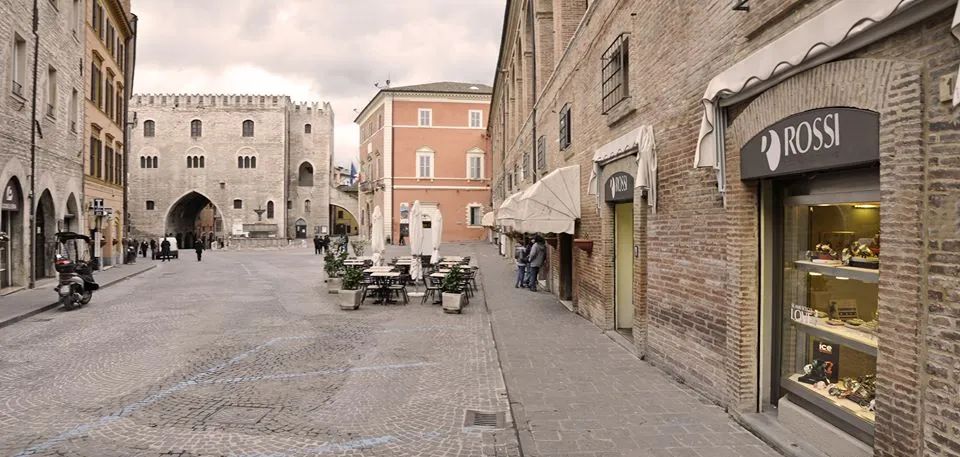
(174, 250)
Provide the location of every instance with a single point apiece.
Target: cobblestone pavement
(245, 354)
(575, 392)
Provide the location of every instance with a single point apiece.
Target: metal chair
(432, 286)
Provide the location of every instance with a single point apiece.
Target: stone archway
(342, 221)
(71, 220)
(12, 256)
(191, 216)
(44, 245)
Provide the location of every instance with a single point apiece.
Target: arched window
(196, 128)
(307, 128)
(246, 162)
(248, 128)
(149, 128)
(154, 161)
(306, 206)
(201, 161)
(189, 162)
(253, 162)
(305, 175)
(240, 162)
(269, 210)
(143, 162)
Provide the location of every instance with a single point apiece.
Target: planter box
(349, 299)
(452, 303)
(333, 285)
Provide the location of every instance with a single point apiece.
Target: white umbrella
(376, 237)
(416, 240)
(437, 230)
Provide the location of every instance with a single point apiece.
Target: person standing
(400, 240)
(153, 249)
(198, 247)
(520, 255)
(317, 245)
(165, 250)
(538, 253)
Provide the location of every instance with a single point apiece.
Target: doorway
(566, 266)
(301, 229)
(46, 226)
(623, 266)
(11, 223)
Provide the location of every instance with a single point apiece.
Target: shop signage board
(11, 198)
(619, 188)
(819, 139)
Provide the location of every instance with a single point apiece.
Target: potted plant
(333, 266)
(349, 292)
(451, 290)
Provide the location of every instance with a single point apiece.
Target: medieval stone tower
(252, 169)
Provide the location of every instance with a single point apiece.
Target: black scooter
(76, 284)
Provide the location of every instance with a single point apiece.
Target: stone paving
(245, 354)
(575, 392)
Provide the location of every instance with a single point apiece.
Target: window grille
(541, 154)
(149, 128)
(565, 127)
(615, 73)
(196, 128)
(248, 128)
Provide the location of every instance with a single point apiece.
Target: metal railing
(17, 88)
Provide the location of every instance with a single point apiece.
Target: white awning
(488, 219)
(642, 139)
(552, 205)
(844, 27)
(507, 213)
(956, 33)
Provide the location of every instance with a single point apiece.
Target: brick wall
(695, 287)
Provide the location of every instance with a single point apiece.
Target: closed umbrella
(376, 238)
(437, 231)
(416, 240)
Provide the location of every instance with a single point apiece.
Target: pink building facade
(429, 143)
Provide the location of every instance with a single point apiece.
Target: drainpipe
(533, 48)
(129, 63)
(33, 148)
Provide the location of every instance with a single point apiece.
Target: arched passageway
(192, 216)
(44, 246)
(343, 221)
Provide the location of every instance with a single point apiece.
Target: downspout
(129, 64)
(533, 48)
(33, 148)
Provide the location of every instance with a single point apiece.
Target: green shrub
(352, 276)
(359, 246)
(333, 264)
(452, 281)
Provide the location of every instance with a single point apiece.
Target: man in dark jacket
(317, 244)
(538, 253)
(198, 246)
(164, 250)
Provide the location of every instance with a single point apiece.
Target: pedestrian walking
(143, 248)
(520, 255)
(538, 253)
(165, 250)
(153, 249)
(198, 247)
(317, 245)
(400, 240)
(325, 244)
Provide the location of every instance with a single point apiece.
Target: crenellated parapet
(226, 101)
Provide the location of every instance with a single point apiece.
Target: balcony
(366, 187)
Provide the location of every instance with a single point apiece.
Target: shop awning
(507, 213)
(956, 33)
(488, 219)
(844, 27)
(641, 139)
(552, 204)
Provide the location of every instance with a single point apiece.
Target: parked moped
(72, 263)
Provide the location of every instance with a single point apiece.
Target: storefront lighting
(842, 278)
(866, 206)
(814, 273)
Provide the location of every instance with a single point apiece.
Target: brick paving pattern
(245, 354)
(576, 392)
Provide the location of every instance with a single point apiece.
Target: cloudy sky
(314, 50)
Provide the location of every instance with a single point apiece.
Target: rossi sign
(818, 139)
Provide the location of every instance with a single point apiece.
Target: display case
(829, 290)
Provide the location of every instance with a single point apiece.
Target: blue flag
(353, 173)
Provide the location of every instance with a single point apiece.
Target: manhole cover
(242, 415)
(482, 419)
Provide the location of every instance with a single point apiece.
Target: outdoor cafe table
(452, 258)
(382, 280)
(383, 269)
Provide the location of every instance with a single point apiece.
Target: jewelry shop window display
(828, 351)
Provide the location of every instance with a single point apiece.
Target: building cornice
(362, 117)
